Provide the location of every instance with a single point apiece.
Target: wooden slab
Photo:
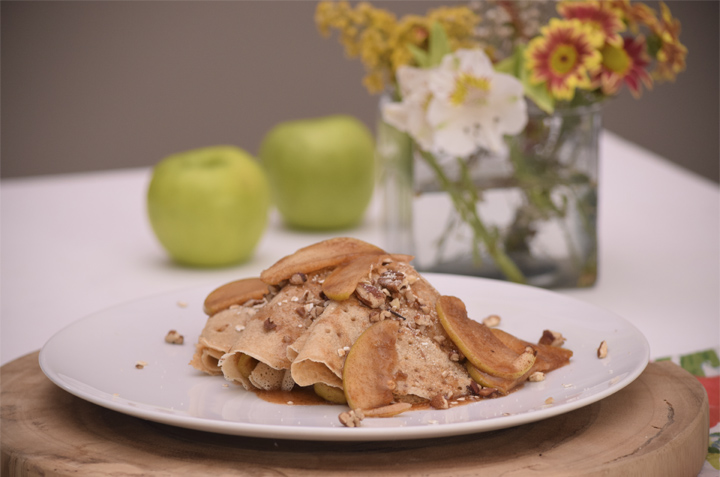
(656, 426)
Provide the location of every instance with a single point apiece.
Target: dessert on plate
(362, 327)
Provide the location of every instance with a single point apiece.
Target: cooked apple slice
(503, 385)
(327, 253)
(368, 378)
(330, 393)
(234, 293)
(246, 364)
(479, 345)
(343, 281)
(388, 411)
(548, 357)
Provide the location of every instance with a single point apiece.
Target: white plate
(95, 359)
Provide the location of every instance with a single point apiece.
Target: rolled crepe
(217, 337)
(267, 334)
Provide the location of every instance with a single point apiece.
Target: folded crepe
(318, 303)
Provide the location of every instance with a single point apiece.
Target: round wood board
(657, 426)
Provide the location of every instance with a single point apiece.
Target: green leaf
(439, 44)
(538, 93)
(421, 56)
(512, 64)
(507, 66)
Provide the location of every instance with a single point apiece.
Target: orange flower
(564, 57)
(635, 14)
(600, 16)
(672, 53)
(627, 65)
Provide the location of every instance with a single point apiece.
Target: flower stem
(464, 197)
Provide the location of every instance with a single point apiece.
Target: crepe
(221, 331)
(298, 336)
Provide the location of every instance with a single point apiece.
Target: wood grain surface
(657, 426)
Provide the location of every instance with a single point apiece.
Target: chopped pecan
(173, 337)
(474, 388)
(491, 321)
(552, 338)
(602, 351)
(439, 402)
(536, 377)
(370, 295)
(268, 325)
(351, 418)
(298, 279)
(392, 280)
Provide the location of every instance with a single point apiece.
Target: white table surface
(76, 244)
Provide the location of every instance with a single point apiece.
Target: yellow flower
(671, 55)
(564, 57)
(381, 41)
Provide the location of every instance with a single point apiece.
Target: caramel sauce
(305, 396)
(298, 397)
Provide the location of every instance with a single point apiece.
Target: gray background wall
(111, 84)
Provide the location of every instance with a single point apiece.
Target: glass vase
(527, 214)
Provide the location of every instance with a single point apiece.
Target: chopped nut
(536, 377)
(549, 400)
(301, 311)
(341, 352)
(602, 350)
(239, 327)
(317, 311)
(409, 296)
(268, 325)
(439, 402)
(173, 337)
(298, 279)
(491, 321)
(141, 364)
(424, 320)
(439, 338)
(182, 304)
(392, 280)
(474, 388)
(455, 357)
(525, 360)
(351, 418)
(375, 316)
(395, 304)
(370, 295)
(552, 338)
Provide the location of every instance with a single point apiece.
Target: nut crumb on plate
(140, 364)
(536, 377)
(173, 337)
(602, 350)
(491, 321)
(351, 418)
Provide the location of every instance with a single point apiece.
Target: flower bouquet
(489, 123)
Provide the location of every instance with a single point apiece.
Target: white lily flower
(409, 115)
(460, 106)
(472, 105)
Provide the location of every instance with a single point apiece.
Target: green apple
(321, 171)
(209, 207)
